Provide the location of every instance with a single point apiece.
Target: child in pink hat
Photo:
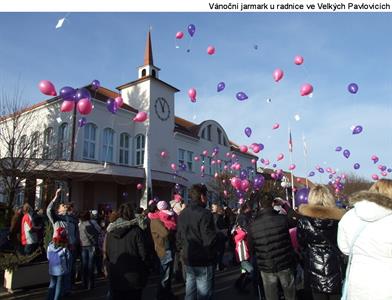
(166, 216)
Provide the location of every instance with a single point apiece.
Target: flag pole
(306, 159)
(291, 171)
(147, 169)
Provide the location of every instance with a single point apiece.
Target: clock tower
(150, 94)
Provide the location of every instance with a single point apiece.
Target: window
(107, 145)
(63, 141)
(224, 141)
(22, 146)
(89, 142)
(143, 72)
(189, 163)
(181, 156)
(153, 73)
(206, 161)
(124, 149)
(139, 149)
(203, 133)
(48, 143)
(34, 147)
(209, 132)
(219, 136)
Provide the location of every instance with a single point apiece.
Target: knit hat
(60, 237)
(151, 202)
(177, 198)
(162, 205)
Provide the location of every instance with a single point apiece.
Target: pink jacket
(166, 217)
(241, 244)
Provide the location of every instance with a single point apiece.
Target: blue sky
(338, 49)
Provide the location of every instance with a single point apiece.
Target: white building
(102, 162)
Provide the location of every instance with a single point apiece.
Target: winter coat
(371, 267)
(160, 235)
(316, 233)
(126, 256)
(196, 236)
(89, 233)
(241, 244)
(59, 259)
(269, 240)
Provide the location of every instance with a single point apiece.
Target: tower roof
(148, 61)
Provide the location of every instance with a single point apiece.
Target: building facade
(101, 163)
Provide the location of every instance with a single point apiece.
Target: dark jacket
(317, 236)
(126, 253)
(196, 236)
(269, 240)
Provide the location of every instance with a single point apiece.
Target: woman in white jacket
(365, 233)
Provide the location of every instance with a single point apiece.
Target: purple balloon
(338, 149)
(95, 84)
(261, 146)
(353, 88)
(221, 86)
(82, 94)
(346, 153)
(358, 129)
(274, 165)
(111, 105)
(301, 197)
(357, 166)
(241, 96)
(248, 131)
(311, 174)
(383, 168)
(67, 93)
(330, 176)
(389, 170)
(191, 29)
(258, 182)
(321, 170)
(82, 122)
(243, 174)
(262, 160)
(216, 150)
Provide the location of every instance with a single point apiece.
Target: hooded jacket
(196, 236)
(317, 236)
(371, 267)
(126, 254)
(59, 260)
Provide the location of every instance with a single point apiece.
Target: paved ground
(224, 289)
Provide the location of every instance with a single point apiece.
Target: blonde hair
(320, 195)
(382, 186)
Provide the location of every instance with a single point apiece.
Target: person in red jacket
(29, 236)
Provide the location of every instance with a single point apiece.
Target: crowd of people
(317, 251)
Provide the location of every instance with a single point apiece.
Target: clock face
(162, 109)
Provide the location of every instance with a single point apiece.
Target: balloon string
(189, 45)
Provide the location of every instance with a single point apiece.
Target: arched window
(139, 149)
(143, 72)
(22, 150)
(48, 143)
(153, 73)
(89, 142)
(62, 141)
(124, 148)
(107, 145)
(34, 146)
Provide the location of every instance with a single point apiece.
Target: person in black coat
(196, 240)
(269, 240)
(126, 256)
(317, 236)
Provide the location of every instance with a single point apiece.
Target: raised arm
(49, 210)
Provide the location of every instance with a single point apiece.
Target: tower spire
(148, 60)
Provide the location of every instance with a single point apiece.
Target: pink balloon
(140, 117)
(119, 100)
(256, 148)
(67, 106)
(179, 35)
(253, 161)
(375, 177)
(163, 154)
(244, 184)
(225, 193)
(225, 168)
(202, 168)
(233, 156)
(298, 60)
(298, 180)
(244, 149)
(280, 157)
(196, 158)
(139, 186)
(219, 161)
(237, 167)
(273, 176)
(216, 175)
(47, 88)
(211, 50)
(306, 89)
(236, 182)
(266, 162)
(192, 94)
(228, 154)
(224, 181)
(276, 126)
(277, 75)
(205, 152)
(384, 173)
(241, 201)
(292, 167)
(213, 162)
(375, 158)
(84, 106)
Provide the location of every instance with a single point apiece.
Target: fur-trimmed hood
(321, 212)
(377, 198)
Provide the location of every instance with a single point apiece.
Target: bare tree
(354, 183)
(21, 151)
